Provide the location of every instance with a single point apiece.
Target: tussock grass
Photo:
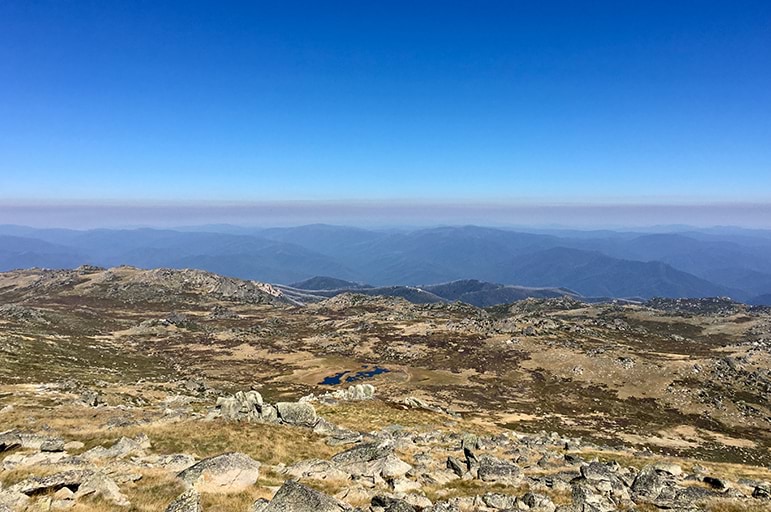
(153, 492)
(376, 414)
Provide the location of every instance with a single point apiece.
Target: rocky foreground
(439, 463)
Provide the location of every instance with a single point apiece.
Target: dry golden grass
(235, 502)
(377, 414)
(269, 444)
(738, 506)
(153, 492)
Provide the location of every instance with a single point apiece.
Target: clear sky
(512, 101)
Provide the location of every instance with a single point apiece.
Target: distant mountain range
(478, 265)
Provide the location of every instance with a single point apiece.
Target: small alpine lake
(366, 372)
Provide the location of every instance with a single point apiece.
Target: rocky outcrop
(249, 406)
(246, 406)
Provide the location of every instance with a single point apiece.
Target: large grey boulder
(188, 501)
(297, 413)
(373, 460)
(229, 472)
(599, 472)
(268, 414)
(296, 497)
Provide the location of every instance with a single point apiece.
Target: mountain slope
(593, 273)
(23, 252)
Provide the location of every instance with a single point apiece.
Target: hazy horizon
(385, 214)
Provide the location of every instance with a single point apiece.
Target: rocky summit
(185, 391)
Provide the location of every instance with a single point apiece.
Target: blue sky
(582, 102)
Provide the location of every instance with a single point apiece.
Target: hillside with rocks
(181, 390)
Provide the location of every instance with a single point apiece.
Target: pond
(353, 376)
